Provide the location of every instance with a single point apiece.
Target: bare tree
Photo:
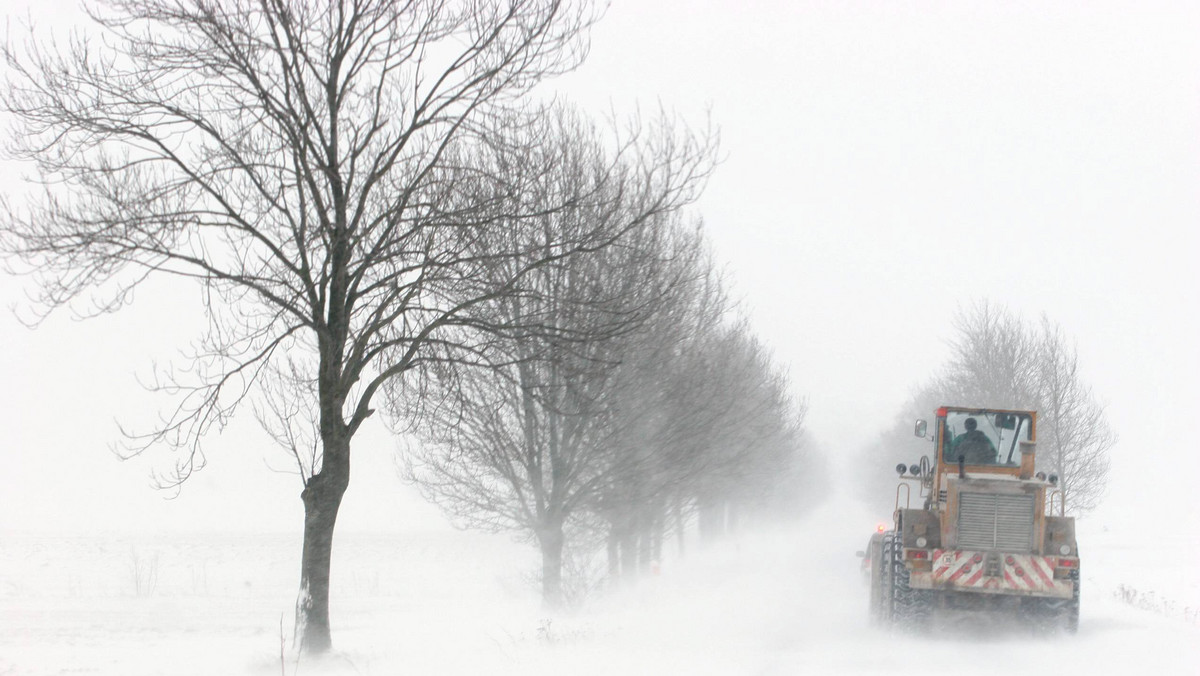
(1075, 436)
(1000, 360)
(755, 438)
(661, 399)
(322, 169)
(993, 359)
(521, 446)
(707, 426)
(644, 398)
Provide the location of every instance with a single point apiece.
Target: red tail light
(1067, 563)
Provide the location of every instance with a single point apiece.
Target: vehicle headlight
(921, 541)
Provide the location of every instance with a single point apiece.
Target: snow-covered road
(791, 601)
(776, 601)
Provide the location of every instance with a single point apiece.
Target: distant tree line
(646, 404)
(1000, 360)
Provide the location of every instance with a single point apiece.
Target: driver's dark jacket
(975, 446)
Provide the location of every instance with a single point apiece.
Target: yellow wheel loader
(974, 528)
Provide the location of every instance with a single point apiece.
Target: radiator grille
(995, 521)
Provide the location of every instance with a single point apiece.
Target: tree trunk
(711, 520)
(645, 538)
(552, 540)
(629, 549)
(614, 553)
(322, 498)
(659, 533)
(680, 527)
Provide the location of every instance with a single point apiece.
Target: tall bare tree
(731, 432)
(993, 359)
(1000, 360)
(662, 397)
(703, 421)
(522, 446)
(1075, 436)
(323, 170)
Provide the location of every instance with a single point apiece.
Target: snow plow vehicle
(984, 537)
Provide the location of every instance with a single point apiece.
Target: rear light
(1009, 560)
(879, 528)
(918, 554)
(941, 412)
(1067, 563)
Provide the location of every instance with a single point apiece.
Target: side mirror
(920, 428)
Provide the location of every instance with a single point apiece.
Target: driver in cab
(973, 445)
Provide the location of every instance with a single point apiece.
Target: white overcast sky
(884, 163)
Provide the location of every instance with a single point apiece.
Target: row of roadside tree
(380, 212)
(645, 405)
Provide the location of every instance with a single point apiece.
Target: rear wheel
(900, 605)
(1072, 610)
(1050, 615)
(875, 602)
(887, 579)
(911, 607)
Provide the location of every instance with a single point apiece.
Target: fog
(887, 165)
(883, 165)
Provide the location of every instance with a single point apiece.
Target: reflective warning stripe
(973, 581)
(958, 569)
(1039, 575)
(1044, 572)
(1009, 579)
(961, 570)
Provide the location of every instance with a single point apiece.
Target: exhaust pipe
(1028, 454)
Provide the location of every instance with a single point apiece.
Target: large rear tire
(887, 579)
(875, 602)
(911, 608)
(1072, 610)
(900, 605)
(1054, 615)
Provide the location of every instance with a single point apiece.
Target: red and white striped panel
(1028, 574)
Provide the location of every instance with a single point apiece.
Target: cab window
(986, 438)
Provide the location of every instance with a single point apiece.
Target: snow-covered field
(776, 601)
